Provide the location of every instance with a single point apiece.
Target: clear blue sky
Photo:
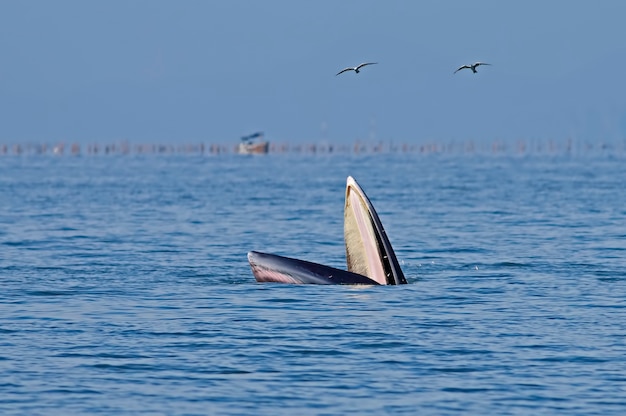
(212, 71)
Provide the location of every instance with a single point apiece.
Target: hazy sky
(212, 71)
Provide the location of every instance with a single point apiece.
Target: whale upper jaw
(280, 269)
(369, 255)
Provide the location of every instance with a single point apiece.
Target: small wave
(51, 292)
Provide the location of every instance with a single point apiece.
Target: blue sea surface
(125, 287)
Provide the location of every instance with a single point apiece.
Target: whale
(370, 257)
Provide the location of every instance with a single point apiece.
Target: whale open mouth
(369, 255)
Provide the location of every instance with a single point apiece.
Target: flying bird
(356, 68)
(472, 66)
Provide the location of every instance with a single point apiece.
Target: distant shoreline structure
(513, 147)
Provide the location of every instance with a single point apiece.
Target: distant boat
(253, 144)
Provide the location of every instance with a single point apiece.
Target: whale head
(369, 255)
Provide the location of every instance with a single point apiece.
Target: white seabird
(472, 66)
(356, 68)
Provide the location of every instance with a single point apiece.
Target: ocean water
(125, 287)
